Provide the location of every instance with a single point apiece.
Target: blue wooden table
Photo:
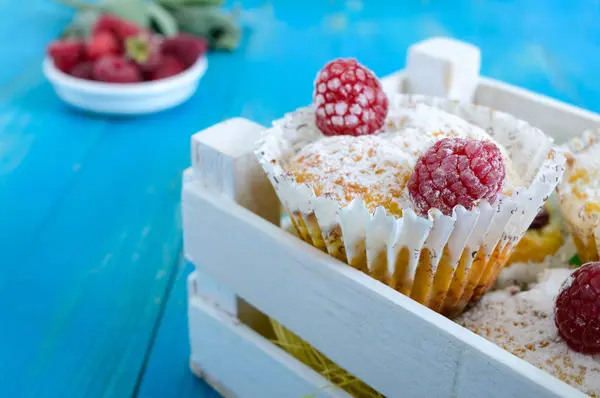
(92, 283)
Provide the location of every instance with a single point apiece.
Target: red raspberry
(104, 43)
(187, 48)
(84, 70)
(106, 23)
(116, 69)
(349, 99)
(115, 25)
(577, 311)
(127, 29)
(170, 66)
(456, 171)
(66, 54)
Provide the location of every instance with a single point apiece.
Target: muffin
(579, 193)
(523, 323)
(426, 195)
(543, 238)
(377, 168)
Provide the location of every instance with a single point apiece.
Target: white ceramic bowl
(126, 99)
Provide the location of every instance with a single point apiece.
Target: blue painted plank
(26, 30)
(96, 269)
(91, 232)
(168, 371)
(41, 144)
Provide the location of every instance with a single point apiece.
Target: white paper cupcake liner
(443, 262)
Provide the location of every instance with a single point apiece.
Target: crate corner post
(230, 340)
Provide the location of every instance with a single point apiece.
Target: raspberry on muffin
(456, 171)
(349, 99)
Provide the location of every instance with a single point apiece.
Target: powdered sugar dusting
(376, 168)
(523, 324)
(580, 188)
(368, 167)
(526, 273)
(337, 120)
(351, 120)
(585, 159)
(334, 83)
(566, 284)
(341, 108)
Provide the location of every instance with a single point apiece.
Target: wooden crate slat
(387, 340)
(238, 362)
(557, 119)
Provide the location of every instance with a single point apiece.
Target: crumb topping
(376, 168)
(523, 324)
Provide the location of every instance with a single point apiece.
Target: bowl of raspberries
(122, 69)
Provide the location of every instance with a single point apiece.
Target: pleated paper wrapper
(580, 209)
(443, 262)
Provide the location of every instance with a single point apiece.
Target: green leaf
(218, 28)
(575, 261)
(132, 10)
(81, 25)
(184, 3)
(81, 5)
(164, 21)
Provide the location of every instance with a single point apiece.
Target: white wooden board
(387, 340)
(238, 362)
(558, 120)
(443, 67)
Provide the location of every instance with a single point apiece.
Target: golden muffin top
(376, 168)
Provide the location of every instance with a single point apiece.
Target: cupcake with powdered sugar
(426, 195)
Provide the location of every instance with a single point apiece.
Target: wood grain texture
(559, 120)
(90, 236)
(565, 121)
(242, 362)
(168, 371)
(223, 162)
(395, 341)
(80, 269)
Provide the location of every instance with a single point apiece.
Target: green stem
(229, 44)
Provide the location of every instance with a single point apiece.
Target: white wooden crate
(245, 262)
